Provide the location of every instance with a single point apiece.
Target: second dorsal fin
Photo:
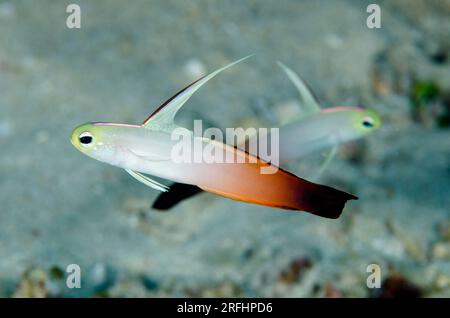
(307, 96)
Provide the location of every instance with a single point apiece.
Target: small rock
(32, 285)
(150, 283)
(410, 242)
(225, 289)
(442, 281)
(441, 250)
(295, 270)
(6, 128)
(334, 41)
(397, 286)
(195, 69)
(332, 292)
(381, 85)
(101, 278)
(56, 273)
(444, 230)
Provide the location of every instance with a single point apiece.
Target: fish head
(346, 123)
(96, 141)
(355, 122)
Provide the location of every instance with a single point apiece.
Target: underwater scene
(258, 148)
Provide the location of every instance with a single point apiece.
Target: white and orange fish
(314, 130)
(147, 149)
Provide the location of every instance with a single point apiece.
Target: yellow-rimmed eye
(86, 139)
(368, 122)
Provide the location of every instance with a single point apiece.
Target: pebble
(442, 281)
(334, 41)
(6, 128)
(441, 250)
(32, 285)
(195, 69)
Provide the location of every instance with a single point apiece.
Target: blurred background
(58, 207)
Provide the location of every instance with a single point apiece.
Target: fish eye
(368, 122)
(86, 138)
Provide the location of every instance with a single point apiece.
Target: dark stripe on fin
(326, 201)
(170, 99)
(177, 193)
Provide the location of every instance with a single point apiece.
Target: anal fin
(177, 193)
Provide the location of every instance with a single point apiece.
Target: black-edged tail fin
(326, 201)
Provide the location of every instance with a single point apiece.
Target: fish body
(149, 149)
(150, 152)
(314, 131)
(322, 130)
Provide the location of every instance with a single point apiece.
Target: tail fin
(325, 201)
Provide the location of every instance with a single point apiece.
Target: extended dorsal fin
(310, 102)
(312, 106)
(163, 117)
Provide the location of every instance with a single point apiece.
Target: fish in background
(314, 130)
(147, 149)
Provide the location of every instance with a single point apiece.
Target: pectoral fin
(149, 156)
(329, 156)
(147, 181)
